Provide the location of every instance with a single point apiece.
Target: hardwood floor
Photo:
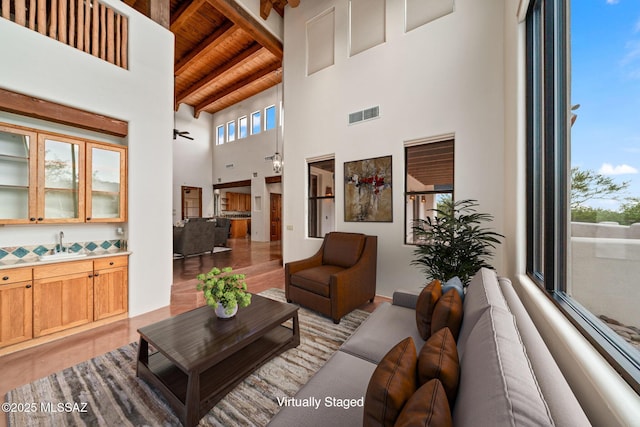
(261, 262)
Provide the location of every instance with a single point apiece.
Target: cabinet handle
(32, 219)
(111, 263)
(89, 218)
(90, 276)
(28, 286)
(5, 278)
(40, 219)
(96, 275)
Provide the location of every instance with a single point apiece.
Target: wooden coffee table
(200, 358)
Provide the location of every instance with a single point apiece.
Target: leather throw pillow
(447, 313)
(425, 305)
(428, 407)
(438, 359)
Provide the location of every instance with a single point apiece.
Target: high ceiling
(223, 54)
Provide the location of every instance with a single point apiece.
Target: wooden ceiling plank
(265, 8)
(273, 68)
(246, 56)
(30, 106)
(241, 17)
(208, 44)
(294, 3)
(184, 13)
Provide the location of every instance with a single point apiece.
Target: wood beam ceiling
(208, 45)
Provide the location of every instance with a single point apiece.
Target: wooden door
(275, 216)
(110, 292)
(62, 301)
(16, 302)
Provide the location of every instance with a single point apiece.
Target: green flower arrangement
(221, 286)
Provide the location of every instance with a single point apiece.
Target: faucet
(61, 249)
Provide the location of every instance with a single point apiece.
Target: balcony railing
(87, 25)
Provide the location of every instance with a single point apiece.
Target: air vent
(364, 115)
(268, 159)
(230, 166)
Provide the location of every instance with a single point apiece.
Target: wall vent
(364, 115)
(230, 166)
(268, 159)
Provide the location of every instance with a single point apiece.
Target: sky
(605, 81)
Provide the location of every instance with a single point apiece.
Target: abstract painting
(367, 190)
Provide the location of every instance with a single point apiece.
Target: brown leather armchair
(339, 278)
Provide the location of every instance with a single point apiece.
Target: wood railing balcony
(87, 25)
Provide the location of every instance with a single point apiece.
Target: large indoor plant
(224, 291)
(453, 242)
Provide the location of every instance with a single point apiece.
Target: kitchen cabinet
(239, 228)
(16, 302)
(51, 178)
(110, 287)
(62, 296)
(238, 202)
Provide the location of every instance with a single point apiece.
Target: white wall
(444, 77)
(36, 65)
(192, 160)
(248, 156)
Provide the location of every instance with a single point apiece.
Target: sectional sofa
(507, 376)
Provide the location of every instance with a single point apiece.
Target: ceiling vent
(364, 115)
(230, 166)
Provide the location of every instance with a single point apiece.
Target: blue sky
(605, 73)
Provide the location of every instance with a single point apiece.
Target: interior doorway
(275, 216)
(191, 202)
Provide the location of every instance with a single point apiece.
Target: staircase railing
(87, 25)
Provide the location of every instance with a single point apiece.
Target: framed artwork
(368, 190)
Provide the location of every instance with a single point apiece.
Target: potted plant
(453, 242)
(224, 291)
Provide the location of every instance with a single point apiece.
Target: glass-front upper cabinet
(106, 198)
(60, 179)
(17, 175)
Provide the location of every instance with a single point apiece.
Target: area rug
(105, 391)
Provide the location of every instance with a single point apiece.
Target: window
(242, 127)
(231, 131)
(270, 117)
(321, 197)
(220, 135)
(428, 180)
(583, 191)
(256, 126)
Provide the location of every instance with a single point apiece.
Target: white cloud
(609, 169)
(612, 1)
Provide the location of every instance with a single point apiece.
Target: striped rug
(105, 391)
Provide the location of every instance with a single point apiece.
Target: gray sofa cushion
(343, 377)
(385, 327)
(483, 292)
(497, 384)
(562, 403)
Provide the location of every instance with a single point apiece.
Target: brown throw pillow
(438, 359)
(427, 407)
(448, 313)
(392, 384)
(424, 307)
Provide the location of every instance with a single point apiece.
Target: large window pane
(605, 159)
(321, 219)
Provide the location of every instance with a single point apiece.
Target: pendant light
(277, 158)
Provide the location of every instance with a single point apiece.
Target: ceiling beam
(30, 106)
(206, 46)
(246, 56)
(184, 13)
(265, 8)
(273, 68)
(248, 23)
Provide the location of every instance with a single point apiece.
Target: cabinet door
(62, 302)
(16, 300)
(110, 292)
(106, 183)
(18, 169)
(60, 179)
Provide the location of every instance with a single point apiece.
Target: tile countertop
(34, 261)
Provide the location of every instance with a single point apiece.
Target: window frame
(231, 136)
(246, 131)
(253, 126)
(275, 117)
(220, 139)
(548, 172)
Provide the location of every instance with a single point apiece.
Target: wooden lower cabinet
(16, 303)
(62, 296)
(110, 287)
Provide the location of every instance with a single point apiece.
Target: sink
(61, 255)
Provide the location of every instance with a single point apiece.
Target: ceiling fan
(183, 134)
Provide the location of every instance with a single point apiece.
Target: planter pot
(220, 312)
